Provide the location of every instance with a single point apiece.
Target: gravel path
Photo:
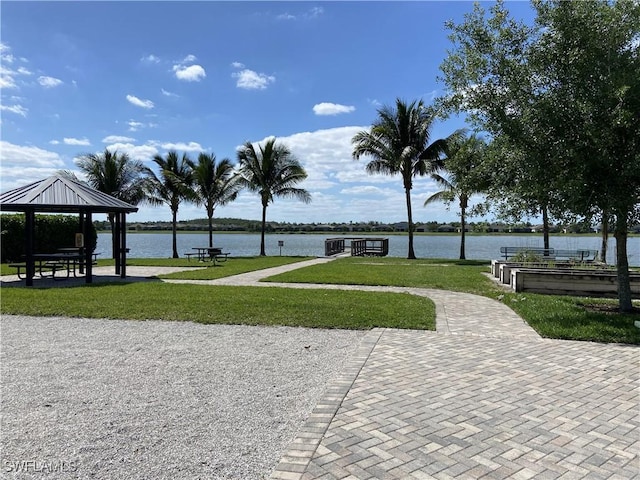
(116, 399)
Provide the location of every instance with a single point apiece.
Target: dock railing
(359, 246)
(362, 247)
(333, 246)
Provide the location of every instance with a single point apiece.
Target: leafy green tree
(564, 95)
(271, 171)
(464, 179)
(172, 186)
(399, 142)
(116, 175)
(214, 183)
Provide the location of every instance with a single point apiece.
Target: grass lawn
(222, 304)
(559, 317)
(456, 275)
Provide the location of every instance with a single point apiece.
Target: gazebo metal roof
(62, 195)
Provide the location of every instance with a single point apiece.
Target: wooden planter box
(582, 283)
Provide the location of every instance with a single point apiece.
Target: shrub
(51, 233)
(527, 256)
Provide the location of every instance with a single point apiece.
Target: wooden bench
(189, 255)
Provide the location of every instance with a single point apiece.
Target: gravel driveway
(116, 399)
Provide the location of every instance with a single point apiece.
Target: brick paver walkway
(483, 397)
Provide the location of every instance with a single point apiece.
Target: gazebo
(61, 194)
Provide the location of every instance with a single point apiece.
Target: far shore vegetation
(239, 225)
(570, 318)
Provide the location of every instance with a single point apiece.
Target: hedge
(51, 233)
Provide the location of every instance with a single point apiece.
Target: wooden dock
(359, 246)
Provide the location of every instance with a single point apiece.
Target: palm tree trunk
(411, 254)
(264, 226)
(463, 226)
(210, 231)
(174, 230)
(624, 283)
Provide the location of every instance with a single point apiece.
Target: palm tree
(463, 159)
(271, 171)
(116, 175)
(214, 184)
(173, 186)
(399, 142)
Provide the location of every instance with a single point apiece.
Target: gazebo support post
(123, 244)
(29, 227)
(116, 241)
(88, 254)
(83, 230)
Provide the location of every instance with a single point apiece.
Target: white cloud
(139, 102)
(135, 152)
(365, 190)
(54, 142)
(237, 65)
(183, 147)
(49, 82)
(134, 126)
(7, 81)
(5, 56)
(7, 75)
(168, 94)
(22, 165)
(17, 109)
(314, 12)
(192, 73)
(310, 14)
(326, 108)
(150, 59)
(286, 16)
(76, 141)
(251, 80)
(189, 59)
(117, 138)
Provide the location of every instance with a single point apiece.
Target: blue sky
(146, 77)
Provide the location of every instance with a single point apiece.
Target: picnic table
(66, 260)
(208, 253)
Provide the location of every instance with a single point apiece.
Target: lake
(479, 247)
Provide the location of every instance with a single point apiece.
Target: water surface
(479, 247)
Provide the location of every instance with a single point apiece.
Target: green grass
(229, 305)
(569, 318)
(561, 317)
(456, 275)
